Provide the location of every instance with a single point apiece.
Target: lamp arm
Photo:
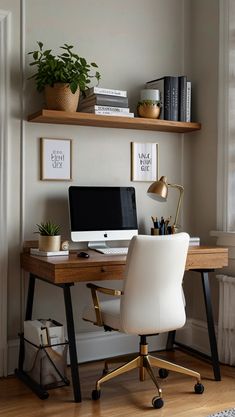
(181, 190)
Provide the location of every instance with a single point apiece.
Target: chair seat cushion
(110, 313)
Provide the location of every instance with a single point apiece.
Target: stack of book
(175, 95)
(194, 241)
(105, 101)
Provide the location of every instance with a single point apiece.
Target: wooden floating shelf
(88, 119)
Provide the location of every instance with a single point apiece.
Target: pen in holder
(162, 227)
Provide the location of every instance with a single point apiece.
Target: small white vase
(49, 243)
(150, 94)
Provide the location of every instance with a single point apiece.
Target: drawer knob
(103, 269)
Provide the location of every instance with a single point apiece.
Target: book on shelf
(175, 94)
(169, 94)
(94, 108)
(182, 98)
(109, 113)
(174, 98)
(103, 100)
(105, 91)
(188, 101)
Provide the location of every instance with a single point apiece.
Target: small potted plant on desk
(62, 76)
(49, 236)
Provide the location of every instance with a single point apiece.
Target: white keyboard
(113, 251)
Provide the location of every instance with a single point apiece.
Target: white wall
(127, 44)
(132, 41)
(202, 57)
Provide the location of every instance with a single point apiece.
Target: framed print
(144, 161)
(56, 159)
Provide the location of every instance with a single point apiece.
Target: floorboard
(126, 395)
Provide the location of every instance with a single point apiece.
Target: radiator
(226, 321)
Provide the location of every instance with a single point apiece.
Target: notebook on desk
(34, 251)
(194, 241)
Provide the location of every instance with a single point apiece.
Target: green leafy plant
(66, 67)
(149, 103)
(48, 229)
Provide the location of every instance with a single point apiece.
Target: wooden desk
(66, 270)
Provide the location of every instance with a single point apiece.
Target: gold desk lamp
(158, 190)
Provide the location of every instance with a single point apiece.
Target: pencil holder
(154, 231)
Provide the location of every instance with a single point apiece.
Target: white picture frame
(144, 161)
(56, 155)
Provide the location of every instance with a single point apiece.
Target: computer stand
(97, 245)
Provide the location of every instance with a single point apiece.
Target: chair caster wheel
(43, 395)
(95, 395)
(163, 373)
(157, 402)
(198, 388)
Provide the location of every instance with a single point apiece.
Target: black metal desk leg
(72, 343)
(28, 316)
(34, 386)
(29, 305)
(170, 340)
(210, 325)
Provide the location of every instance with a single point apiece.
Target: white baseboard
(195, 335)
(99, 345)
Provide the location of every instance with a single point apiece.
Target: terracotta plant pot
(150, 111)
(49, 243)
(60, 97)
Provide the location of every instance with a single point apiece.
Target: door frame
(5, 18)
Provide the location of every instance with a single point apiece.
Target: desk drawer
(94, 273)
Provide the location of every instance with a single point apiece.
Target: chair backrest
(153, 298)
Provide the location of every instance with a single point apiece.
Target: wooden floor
(125, 395)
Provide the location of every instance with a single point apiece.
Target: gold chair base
(145, 362)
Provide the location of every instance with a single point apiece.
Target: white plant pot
(49, 243)
(150, 94)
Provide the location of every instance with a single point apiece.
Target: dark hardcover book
(103, 100)
(182, 98)
(163, 84)
(174, 99)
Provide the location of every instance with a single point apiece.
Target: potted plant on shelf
(49, 236)
(149, 105)
(149, 109)
(62, 76)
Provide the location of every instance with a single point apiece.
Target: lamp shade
(158, 190)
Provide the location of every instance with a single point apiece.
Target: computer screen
(99, 214)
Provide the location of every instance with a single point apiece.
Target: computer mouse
(83, 255)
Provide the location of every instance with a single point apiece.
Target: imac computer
(101, 214)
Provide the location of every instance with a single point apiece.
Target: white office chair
(151, 302)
